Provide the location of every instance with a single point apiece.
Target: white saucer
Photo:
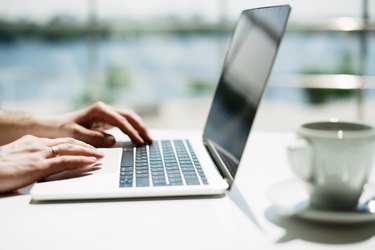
(290, 198)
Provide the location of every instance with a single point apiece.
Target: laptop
(191, 166)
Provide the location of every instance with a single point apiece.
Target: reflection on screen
(245, 73)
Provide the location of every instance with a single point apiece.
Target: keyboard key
(126, 182)
(173, 168)
(160, 184)
(142, 175)
(142, 182)
(126, 168)
(157, 170)
(127, 174)
(192, 182)
(158, 178)
(179, 183)
(204, 180)
(127, 158)
(171, 172)
(173, 175)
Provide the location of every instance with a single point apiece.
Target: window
(163, 58)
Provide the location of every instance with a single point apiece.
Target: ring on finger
(55, 151)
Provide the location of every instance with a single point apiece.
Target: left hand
(88, 125)
(30, 159)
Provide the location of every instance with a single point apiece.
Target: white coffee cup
(335, 160)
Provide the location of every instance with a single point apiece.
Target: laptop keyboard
(163, 163)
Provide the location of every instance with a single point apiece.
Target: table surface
(244, 218)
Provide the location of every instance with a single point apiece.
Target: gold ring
(55, 151)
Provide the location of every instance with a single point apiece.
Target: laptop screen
(246, 69)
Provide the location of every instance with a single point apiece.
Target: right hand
(89, 125)
(31, 158)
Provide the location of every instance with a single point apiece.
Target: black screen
(246, 69)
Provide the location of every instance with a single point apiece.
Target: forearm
(16, 125)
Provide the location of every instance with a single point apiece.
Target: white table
(242, 219)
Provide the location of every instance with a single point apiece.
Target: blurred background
(163, 58)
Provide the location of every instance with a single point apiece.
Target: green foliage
(346, 65)
(198, 85)
(117, 78)
(57, 29)
(319, 95)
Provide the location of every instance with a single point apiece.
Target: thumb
(94, 137)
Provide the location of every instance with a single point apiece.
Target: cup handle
(300, 157)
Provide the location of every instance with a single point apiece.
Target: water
(157, 66)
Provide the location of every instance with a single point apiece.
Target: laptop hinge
(220, 164)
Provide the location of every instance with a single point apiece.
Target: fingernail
(101, 154)
(141, 141)
(109, 140)
(93, 159)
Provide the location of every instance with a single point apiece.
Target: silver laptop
(192, 166)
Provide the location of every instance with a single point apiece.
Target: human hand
(30, 159)
(88, 125)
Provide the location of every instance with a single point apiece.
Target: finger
(115, 119)
(69, 174)
(73, 149)
(94, 137)
(138, 124)
(67, 162)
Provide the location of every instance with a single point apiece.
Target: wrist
(45, 126)
(15, 125)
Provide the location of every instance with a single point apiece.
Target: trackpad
(109, 164)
